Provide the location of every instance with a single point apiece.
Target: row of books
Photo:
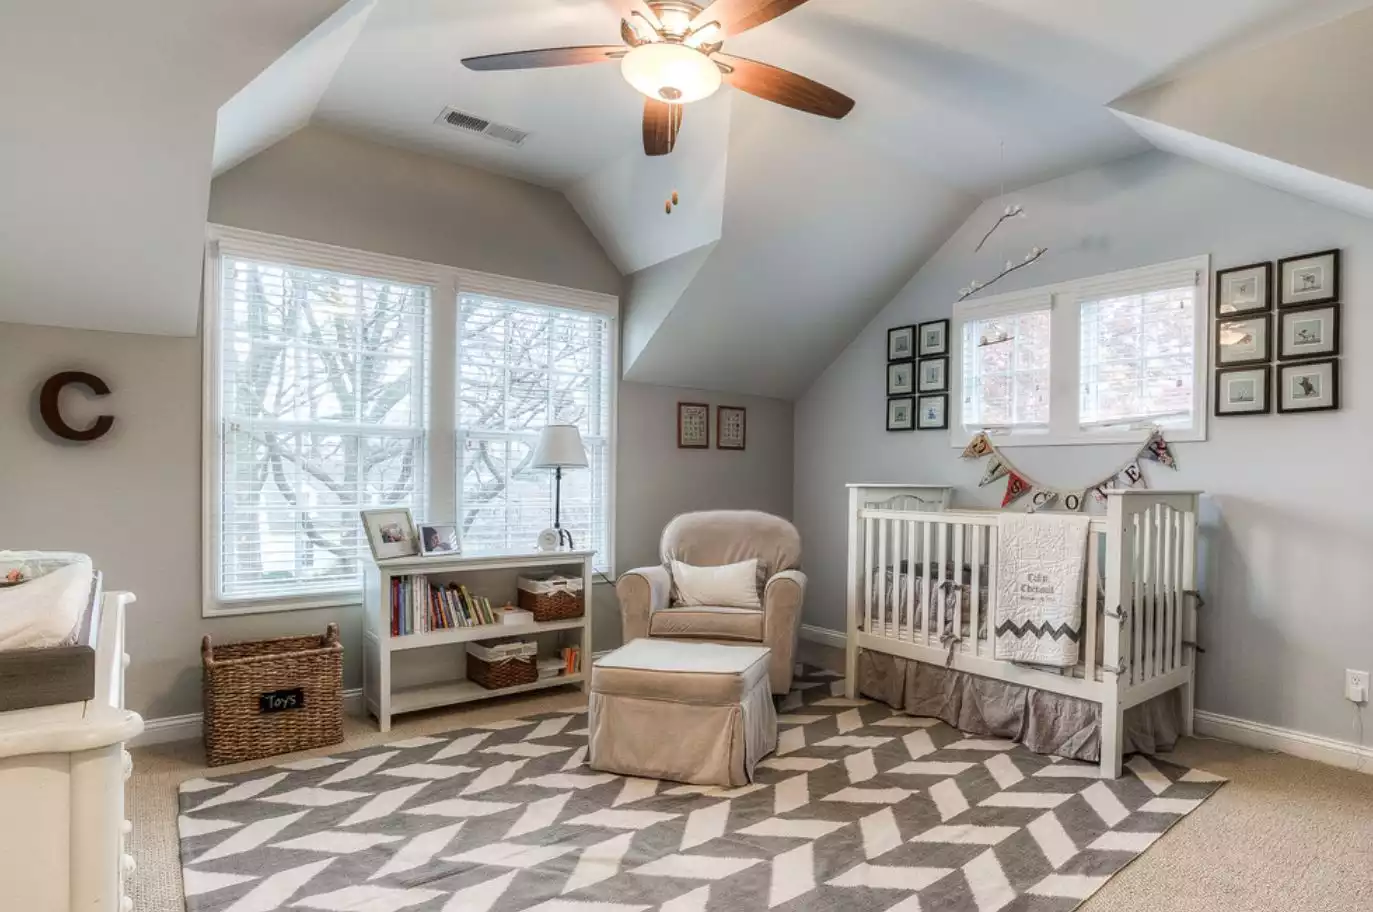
(417, 606)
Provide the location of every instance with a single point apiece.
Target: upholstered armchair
(713, 539)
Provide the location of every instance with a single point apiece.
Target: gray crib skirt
(1046, 723)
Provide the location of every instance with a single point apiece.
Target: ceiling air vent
(471, 123)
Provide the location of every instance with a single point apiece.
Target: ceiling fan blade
(662, 124)
(784, 87)
(737, 16)
(547, 57)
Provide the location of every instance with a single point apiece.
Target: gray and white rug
(860, 810)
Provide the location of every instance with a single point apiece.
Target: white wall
(1288, 529)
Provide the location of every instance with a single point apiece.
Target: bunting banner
(1042, 497)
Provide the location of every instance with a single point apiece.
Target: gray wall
(133, 499)
(1288, 531)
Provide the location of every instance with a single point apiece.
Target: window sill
(958, 439)
(214, 608)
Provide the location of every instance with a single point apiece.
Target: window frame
(446, 283)
(1064, 303)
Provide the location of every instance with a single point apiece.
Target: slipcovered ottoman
(700, 713)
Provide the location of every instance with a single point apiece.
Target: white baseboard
(1299, 744)
(189, 726)
(824, 636)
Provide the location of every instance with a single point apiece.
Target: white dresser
(62, 770)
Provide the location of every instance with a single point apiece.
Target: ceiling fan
(671, 54)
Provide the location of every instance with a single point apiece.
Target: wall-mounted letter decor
(51, 412)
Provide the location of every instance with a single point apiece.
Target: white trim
(191, 726)
(824, 636)
(1065, 334)
(1330, 751)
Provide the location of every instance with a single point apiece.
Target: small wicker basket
(494, 672)
(272, 696)
(555, 599)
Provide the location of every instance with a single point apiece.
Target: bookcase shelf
(385, 699)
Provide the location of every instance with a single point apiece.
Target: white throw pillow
(727, 586)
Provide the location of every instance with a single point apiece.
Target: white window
(319, 403)
(522, 366)
(1090, 361)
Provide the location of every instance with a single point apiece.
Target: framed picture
(439, 539)
(901, 343)
(901, 414)
(1244, 289)
(1306, 332)
(693, 426)
(900, 378)
(1243, 391)
(730, 425)
(933, 374)
(934, 338)
(390, 533)
(933, 412)
(1311, 386)
(1312, 278)
(1244, 341)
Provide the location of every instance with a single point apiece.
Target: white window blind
(1138, 356)
(522, 366)
(1005, 371)
(323, 408)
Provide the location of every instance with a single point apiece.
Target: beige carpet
(1285, 834)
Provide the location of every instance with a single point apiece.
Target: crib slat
(1089, 643)
(1179, 577)
(912, 529)
(868, 595)
(1136, 619)
(1169, 594)
(1160, 594)
(1148, 589)
(881, 628)
(942, 533)
(975, 592)
(925, 569)
(957, 581)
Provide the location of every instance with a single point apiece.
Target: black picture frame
(920, 350)
(932, 427)
(891, 340)
(919, 367)
(1294, 365)
(1267, 355)
(910, 410)
(1333, 298)
(893, 365)
(1267, 268)
(1298, 311)
(1266, 385)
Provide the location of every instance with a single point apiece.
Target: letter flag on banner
(1157, 450)
(1016, 488)
(978, 447)
(996, 468)
(1042, 498)
(1072, 500)
(1133, 475)
(1099, 492)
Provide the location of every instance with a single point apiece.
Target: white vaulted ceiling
(792, 230)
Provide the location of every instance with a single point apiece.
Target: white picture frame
(390, 532)
(440, 540)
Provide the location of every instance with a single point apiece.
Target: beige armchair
(712, 539)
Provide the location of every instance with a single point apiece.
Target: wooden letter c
(51, 411)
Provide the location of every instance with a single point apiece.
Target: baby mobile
(1042, 497)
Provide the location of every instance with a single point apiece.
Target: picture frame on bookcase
(390, 533)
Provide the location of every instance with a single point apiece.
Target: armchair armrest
(641, 592)
(783, 597)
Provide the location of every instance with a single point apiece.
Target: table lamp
(559, 447)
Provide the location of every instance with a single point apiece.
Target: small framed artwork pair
(918, 376)
(1305, 386)
(693, 426)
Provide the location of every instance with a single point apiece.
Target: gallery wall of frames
(918, 377)
(1286, 358)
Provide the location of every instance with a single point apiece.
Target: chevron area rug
(859, 810)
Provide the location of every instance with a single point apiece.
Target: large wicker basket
(495, 673)
(272, 696)
(556, 599)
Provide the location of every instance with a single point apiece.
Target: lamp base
(554, 539)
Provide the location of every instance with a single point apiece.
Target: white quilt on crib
(1040, 562)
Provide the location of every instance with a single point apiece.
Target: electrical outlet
(1355, 686)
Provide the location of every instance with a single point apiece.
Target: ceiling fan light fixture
(671, 72)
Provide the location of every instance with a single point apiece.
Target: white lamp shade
(560, 446)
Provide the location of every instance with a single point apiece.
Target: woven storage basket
(557, 599)
(245, 683)
(493, 675)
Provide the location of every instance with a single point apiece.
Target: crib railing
(1140, 566)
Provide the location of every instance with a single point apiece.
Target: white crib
(1138, 646)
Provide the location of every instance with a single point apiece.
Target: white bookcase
(384, 699)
